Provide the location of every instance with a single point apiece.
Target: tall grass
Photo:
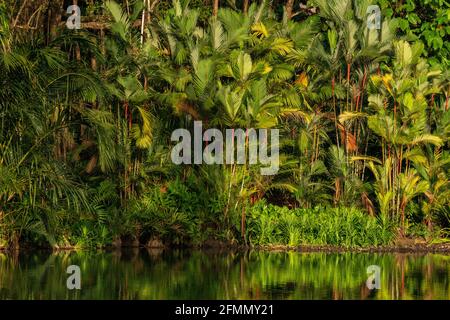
(348, 227)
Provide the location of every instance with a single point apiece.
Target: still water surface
(184, 274)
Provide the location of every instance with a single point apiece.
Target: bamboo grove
(87, 115)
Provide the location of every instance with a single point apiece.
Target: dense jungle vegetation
(87, 115)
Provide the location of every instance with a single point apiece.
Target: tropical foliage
(87, 116)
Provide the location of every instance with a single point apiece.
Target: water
(157, 274)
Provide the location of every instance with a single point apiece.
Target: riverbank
(268, 228)
(397, 248)
(401, 246)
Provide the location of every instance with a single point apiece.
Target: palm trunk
(333, 84)
(245, 6)
(215, 7)
(289, 8)
(243, 224)
(403, 220)
(54, 18)
(347, 109)
(15, 244)
(446, 103)
(143, 21)
(126, 167)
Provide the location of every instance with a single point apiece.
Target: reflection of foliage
(203, 275)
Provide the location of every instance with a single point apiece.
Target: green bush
(425, 21)
(176, 213)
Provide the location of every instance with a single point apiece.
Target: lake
(192, 274)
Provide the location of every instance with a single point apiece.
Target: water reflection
(181, 274)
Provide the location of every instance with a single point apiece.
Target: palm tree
(401, 123)
(39, 196)
(432, 167)
(35, 193)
